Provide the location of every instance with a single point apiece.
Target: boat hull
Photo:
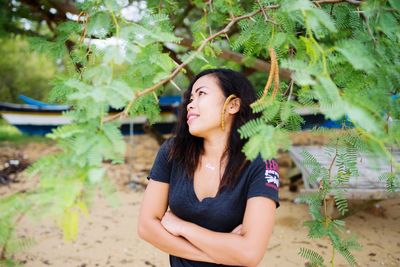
(39, 120)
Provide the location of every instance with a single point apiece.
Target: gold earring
(224, 109)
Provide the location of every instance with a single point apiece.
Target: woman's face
(205, 106)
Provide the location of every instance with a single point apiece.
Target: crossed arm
(177, 237)
(153, 208)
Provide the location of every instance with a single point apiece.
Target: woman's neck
(215, 146)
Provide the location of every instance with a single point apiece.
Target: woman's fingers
(171, 223)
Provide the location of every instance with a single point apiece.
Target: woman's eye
(201, 92)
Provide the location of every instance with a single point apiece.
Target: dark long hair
(186, 149)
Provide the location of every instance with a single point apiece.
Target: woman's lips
(191, 117)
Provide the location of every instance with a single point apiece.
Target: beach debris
(377, 210)
(138, 181)
(148, 263)
(11, 168)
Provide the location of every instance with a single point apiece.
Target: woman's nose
(190, 105)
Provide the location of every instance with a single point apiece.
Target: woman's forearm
(153, 232)
(225, 248)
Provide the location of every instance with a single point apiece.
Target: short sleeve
(161, 170)
(264, 180)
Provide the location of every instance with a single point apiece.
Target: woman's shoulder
(263, 164)
(167, 144)
(263, 179)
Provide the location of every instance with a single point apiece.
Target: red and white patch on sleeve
(271, 174)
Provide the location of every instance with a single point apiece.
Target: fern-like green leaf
(341, 203)
(250, 128)
(315, 258)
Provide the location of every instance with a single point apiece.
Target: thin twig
(354, 2)
(336, 2)
(290, 88)
(362, 14)
(332, 162)
(85, 23)
(262, 9)
(265, 14)
(175, 85)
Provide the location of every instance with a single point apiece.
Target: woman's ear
(234, 106)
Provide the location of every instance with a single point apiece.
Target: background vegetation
(22, 71)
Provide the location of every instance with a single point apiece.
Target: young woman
(221, 206)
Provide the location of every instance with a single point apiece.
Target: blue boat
(39, 118)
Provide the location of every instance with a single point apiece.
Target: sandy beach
(108, 236)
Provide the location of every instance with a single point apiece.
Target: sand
(108, 236)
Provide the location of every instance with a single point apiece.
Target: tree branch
(259, 64)
(354, 2)
(64, 6)
(148, 90)
(174, 56)
(36, 7)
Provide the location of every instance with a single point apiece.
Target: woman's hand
(237, 230)
(172, 223)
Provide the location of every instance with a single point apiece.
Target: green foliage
(20, 73)
(341, 203)
(99, 25)
(314, 258)
(356, 54)
(12, 209)
(253, 38)
(147, 105)
(257, 131)
(11, 134)
(8, 132)
(317, 170)
(266, 141)
(392, 181)
(343, 151)
(54, 49)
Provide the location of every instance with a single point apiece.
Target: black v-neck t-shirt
(221, 213)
